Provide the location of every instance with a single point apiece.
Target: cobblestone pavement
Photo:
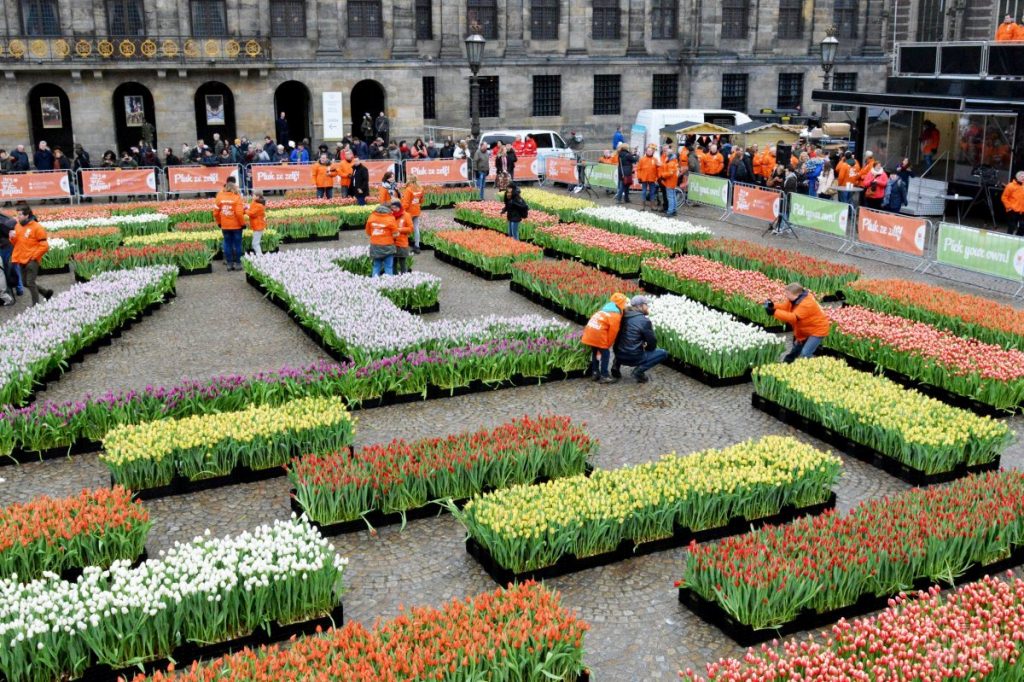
(218, 324)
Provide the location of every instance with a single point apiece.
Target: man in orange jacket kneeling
(809, 322)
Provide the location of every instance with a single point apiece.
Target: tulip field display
(207, 591)
(400, 476)
(577, 288)
(967, 367)
(93, 528)
(188, 257)
(488, 214)
(517, 634)
(675, 234)
(483, 251)
(973, 633)
(349, 217)
(129, 225)
(88, 238)
(58, 255)
(41, 339)
(962, 314)
(526, 528)
(443, 196)
(769, 577)
(260, 437)
(302, 228)
(212, 237)
(411, 291)
(710, 340)
(740, 292)
(356, 259)
(621, 254)
(902, 424)
(564, 206)
(822, 276)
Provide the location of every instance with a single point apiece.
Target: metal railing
(135, 49)
(978, 59)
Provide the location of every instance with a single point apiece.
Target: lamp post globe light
(475, 56)
(829, 48)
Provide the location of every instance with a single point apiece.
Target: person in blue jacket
(618, 138)
(300, 154)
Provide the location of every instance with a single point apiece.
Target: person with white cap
(636, 345)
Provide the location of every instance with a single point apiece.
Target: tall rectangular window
(489, 101)
(791, 19)
(482, 14)
(845, 81)
(429, 98)
(424, 20)
(930, 20)
(365, 19)
(288, 18)
(791, 90)
(607, 95)
(665, 91)
(125, 18)
(735, 18)
(547, 95)
(209, 18)
(734, 91)
(605, 20)
(844, 15)
(664, 19)
(40, 18)
(544, 19)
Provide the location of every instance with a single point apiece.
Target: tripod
(780, 227)
(584, 181)
(985, 190)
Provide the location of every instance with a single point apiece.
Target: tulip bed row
(710, 340)
(769, 577)
(565, 207)
(525, 528)
(488, 214)
(94, 528)
(974, 633)
(129, 225)
(186, 256)
(962, 314)
(410, 291)
(41, 339)
(980, 371)
(260, 437)
(920, 432)
(570, 285)
(519, 633)
(621, 254)
(299, 228)
(822, 276)
(400, 476)
(206, 591)
(483, 250)
(740, 292)
(675, 234)
(211, 236)
(58, 256)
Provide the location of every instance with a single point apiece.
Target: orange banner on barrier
(438, 171)
(892, 231)
(104, 183)
(282, 176)
(527, 169)
(377, 169)
(755, 202)
(46, 185)
(557, 169)
(200, 178)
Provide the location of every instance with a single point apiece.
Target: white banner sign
(334, 119)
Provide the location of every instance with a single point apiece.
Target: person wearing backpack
(515, 209)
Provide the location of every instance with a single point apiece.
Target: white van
(549, 143)
(649, 122)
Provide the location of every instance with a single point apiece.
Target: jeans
(929, 159)
(361, 199)
(31, 270)
(644, 362)
(416, 231)
(599, 358)
(513, 229)
(672, 198)
(232, 246)
(19, 285)
(324, 192)
(9, 276)
(622, 194)
(257, 238)
(650, 190)
(803, 349)
(481, 181)
(387, 264)
(844, 197)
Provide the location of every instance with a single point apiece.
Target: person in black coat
(516, 209)
(360, 181)
(636, 345)
(627, 160)
(20, 159)
(511, 158)
(281, 129)
(43, 158)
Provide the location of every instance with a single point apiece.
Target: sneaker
(640, 377)
(20, 291)
(595, 377)
(416, 250)
(608, 380)
(616, 372)
(47, 295)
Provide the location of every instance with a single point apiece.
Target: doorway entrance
(133, 108)
(367, 98)
(49, 112)
(215, 112)
(292, 97)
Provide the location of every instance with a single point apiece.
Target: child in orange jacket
(257, 215)
(405, 229)
(600, 334)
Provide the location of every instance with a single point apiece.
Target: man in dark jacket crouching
(635, 345)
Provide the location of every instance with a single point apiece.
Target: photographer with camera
(1013, 202)
(802, 312)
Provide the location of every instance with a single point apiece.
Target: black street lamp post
(475, 56)
(829, 48)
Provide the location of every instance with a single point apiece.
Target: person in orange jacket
(809, 322)
(382, 229)
(405, 228)
(229, 214)
(1007, 31)
(647, 174)
(607, 157)
(323, 178)
(669, 174)
(412, 203)
(712, 163)
(30, 245)
(343, 171)
(1013, 202)
(600, 334)
(257, 215)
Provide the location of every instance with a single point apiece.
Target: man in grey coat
(481, 167)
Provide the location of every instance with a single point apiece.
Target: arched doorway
(133, 110)
(292, 97)
(215, 112)
(49, 115)
(367, 98)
